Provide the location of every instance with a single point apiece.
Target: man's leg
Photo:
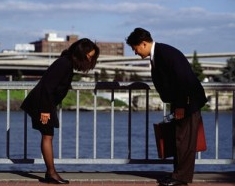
(186, 139)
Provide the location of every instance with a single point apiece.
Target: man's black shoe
(163, 179)
(172, 182)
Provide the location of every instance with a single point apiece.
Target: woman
(42, 101)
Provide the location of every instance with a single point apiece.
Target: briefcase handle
(168, 118)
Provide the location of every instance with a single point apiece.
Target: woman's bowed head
(84, 54)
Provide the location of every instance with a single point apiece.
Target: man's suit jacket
(50, 90)
(175, 81)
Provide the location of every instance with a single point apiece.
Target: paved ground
(113, 179)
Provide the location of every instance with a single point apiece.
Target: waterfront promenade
(136, 178)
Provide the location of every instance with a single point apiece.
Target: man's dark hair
(137, 36)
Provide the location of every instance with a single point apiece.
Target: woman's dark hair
(137, 36)
(78, 51)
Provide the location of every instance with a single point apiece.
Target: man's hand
(179, 113)
(44, 118)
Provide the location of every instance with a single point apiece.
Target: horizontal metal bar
(114, 161)
(21, 85)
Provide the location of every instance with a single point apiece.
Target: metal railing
(112, 88)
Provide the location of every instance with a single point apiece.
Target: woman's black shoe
(49, 179)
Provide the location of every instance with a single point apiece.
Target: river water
(86, 120)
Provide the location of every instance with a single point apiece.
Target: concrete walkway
(113, 178)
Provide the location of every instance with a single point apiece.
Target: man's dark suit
(176, 84)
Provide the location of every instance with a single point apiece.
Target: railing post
(139, 86)
(147, 125)
(129, 125)
(8, 125)
(112, 124)
(233, 127)
(95, 124)
(60, 131)
(77, 124)
(216, 125)
(25, 132)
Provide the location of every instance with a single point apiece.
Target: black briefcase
(165, 139)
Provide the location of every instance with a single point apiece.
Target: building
(111, 48)
(54, 44)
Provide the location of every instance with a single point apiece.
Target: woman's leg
(47, 152)
(51, 175)
(48, 156)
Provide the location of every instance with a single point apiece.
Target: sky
(205, 26)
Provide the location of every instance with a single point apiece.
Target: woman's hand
(44, 118)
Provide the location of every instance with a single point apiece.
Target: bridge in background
(37, 63)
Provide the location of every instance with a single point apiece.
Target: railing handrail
(91, 85)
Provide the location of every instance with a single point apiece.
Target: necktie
(152, 63)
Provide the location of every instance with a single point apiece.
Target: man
(176, 84)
